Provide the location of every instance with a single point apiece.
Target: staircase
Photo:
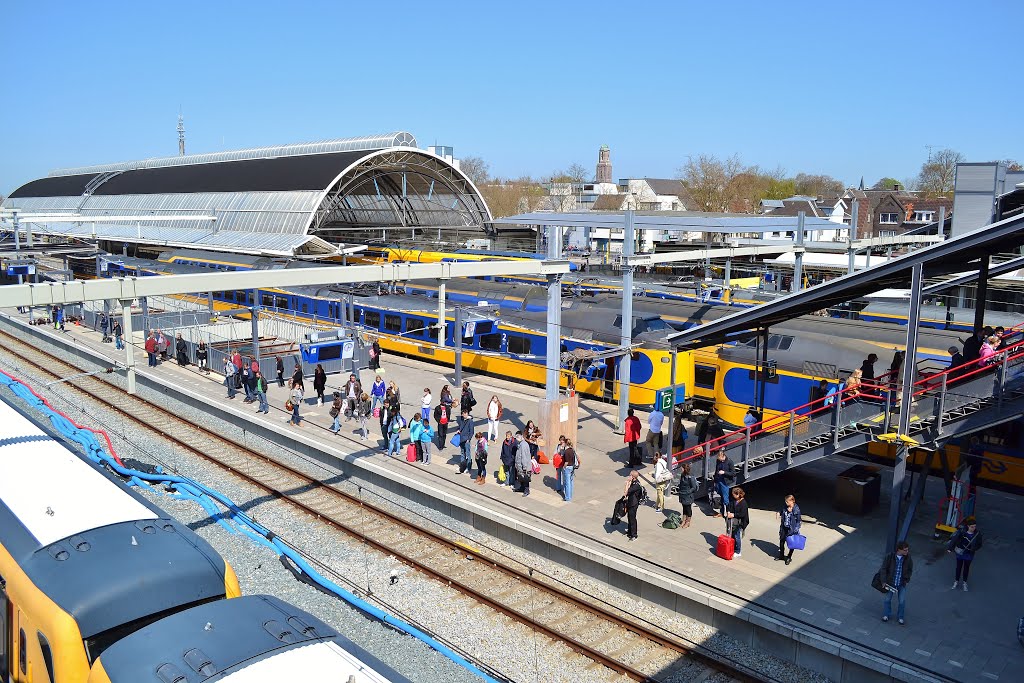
(945, 404)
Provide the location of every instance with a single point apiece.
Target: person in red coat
(151, 349)
(632, 435)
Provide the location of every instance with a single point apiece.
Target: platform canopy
(950, 256)
(289, 199)
(689, 221)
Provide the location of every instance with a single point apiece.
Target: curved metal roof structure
(285, 199)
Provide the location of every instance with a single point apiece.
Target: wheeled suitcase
(410, 453)
(726, 547)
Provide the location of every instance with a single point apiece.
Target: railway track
(616, 644)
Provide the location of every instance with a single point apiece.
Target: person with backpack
(965, 542)
(508, 459)
(662, 478)
(261, 394)
(570, 463)
(687, 493)
(467, 402)
(426, 437)
(442, 414)
(523, 466)
(395, 426)
(737, 517)
(481, 457)
(465, 425)
(335, 412)
(634, 495)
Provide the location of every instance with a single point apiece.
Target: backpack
(399, 422)
(642, 496)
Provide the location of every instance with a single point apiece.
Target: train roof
(248, 261)
(251, 639)
(101, 552)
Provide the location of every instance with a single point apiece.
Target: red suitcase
(726, 547)
(410, 453)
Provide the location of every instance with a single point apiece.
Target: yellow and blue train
(83, 560)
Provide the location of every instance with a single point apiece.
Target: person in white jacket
(493, 416)
(425, 405)
(662, 477)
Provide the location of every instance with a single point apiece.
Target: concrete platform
(819, 612)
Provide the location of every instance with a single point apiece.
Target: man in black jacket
(895, 573)
(467, 402)
(725, 475)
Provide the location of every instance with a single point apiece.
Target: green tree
(887, 183)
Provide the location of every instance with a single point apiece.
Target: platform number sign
(663, 400)
(771, 369)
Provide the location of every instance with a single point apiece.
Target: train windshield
(95, 645)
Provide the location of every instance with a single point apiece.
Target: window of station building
(372, 319)
(704, 376)
(519, 345)
(888, 218)
(392, 323)
(490, 342)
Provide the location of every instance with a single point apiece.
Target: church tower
(604, 165)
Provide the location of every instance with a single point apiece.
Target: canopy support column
(129, 363)
(626, 338)
(554, 317)
(981, 295)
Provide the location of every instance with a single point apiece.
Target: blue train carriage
(255, 639)
(83, 560)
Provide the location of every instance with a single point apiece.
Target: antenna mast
(181, 133)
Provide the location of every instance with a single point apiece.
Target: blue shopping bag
(796, 542)
(457, 439)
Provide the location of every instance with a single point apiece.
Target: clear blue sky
(847, 89)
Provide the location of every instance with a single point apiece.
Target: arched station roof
(285, 199)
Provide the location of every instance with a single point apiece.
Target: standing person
(320, 383)
(751, 418)
(655, 421)
(56, 322)
(203, 358)
(988, 351)
(446, 397)
(789, 524)
(335, 412)
(297, 375)
(396, 395)
(375, 355)
(442, 415)
(508, 459)
(895, 573)
(559, 458)
(415, 430)
(296, 398)
(377, 392)
(181, 351)
(687, 493)
(61, 319)
(118, 334)
(426, 437)
(280, 371)
(395, 426)
(481, 457)
(246, 375)
(532, 433)
(679, 434)
(425, 402)
(956, 359)
(465, 425)
(151, 352)
(965, 543)
(725, 475)
(494, 411)
(818, 393)
(738, 516)
(524, 465)
(632, 495)
(570, 463)
(867, 368)
(261, 394)
(385, 423)
(352, 391)
(631, 428)
(104, 326)
(229, 373)
(853, 388)
(972, 346)
(662, 478)
(466, 401)
(161, 345)
(364, 409)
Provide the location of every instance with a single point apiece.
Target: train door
(5, 632)
(610, 371)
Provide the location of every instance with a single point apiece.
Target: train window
(414, 324)
(490, 342)
(704, 376)
(97, 644)
(372, 319)
(305, 307)
(392, 323)
(519, 345)
(5, 622)
(763, 377)
(331, 352)
(267, 300)
(22, 655)
(281, 302)
(44, 647)
(785, 343)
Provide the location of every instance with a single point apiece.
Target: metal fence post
(789, 439)
(888, 411)
(1002, 378)
(706, 463)
(941, 405)
(836, 419)
(746, 452)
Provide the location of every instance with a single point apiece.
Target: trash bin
(858, 490)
